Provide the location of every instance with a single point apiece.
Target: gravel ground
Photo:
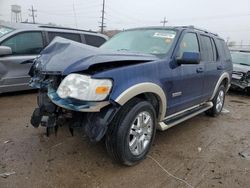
(204, 151)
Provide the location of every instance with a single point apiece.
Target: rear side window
(28, 43)
(70, 36)
(94, 40)
(207, 49)
(189, 43)
(214, 50)
(227, 52)
(224, 53)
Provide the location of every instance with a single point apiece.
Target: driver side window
(189, 43)
(29, 43)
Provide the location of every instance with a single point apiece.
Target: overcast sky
(226, 17)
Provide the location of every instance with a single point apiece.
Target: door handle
(200, 70)
(30, 61)
(219, 67)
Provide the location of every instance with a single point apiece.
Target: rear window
(70, 36)
(94, 40)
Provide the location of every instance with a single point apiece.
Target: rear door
(213, 66)
(14, 68)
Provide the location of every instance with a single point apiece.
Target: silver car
(241, 70)
(21, 43)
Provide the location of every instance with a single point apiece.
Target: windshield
(150, 41)
(242, 58)
(4, 30)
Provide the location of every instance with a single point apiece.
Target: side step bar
(173, 120)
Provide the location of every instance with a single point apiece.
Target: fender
(146, 87)
(222, 77)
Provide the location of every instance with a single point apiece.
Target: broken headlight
(84, 88)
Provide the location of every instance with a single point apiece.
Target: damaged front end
(241, 81)
(54, 111)
(58, 106)
(69, 93)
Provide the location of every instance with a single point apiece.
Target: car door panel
(188, 82)
(192, 85)
(14, 68)
(213, 66)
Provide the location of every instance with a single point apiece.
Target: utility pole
(74, 13)
(102, 26)
(164, 22)
(32, 10)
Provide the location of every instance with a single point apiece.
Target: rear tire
(218, 102)
(131, 133)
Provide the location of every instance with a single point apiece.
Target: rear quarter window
(223, 50)
(94, 40)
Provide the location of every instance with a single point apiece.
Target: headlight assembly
(84, 88)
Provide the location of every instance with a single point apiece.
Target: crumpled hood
(65, 56)
(241, 68)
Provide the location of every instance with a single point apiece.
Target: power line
(102, 26)
(32, 10)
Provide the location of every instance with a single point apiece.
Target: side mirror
(189, 58)
(5, 50)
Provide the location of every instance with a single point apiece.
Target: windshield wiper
(123, 49)
(244, 64)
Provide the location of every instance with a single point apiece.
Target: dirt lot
(204, 151)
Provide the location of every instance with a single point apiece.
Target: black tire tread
(113, 147)
(212, 111)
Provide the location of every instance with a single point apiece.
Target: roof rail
(66, 28)
(199, 29)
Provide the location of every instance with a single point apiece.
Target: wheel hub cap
(220, 101)
(140, 133)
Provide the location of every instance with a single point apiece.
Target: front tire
(218, 102)
(132, 132)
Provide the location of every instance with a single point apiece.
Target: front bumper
(75, 105)
(239, 84)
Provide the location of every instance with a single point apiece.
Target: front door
(188, 83)
(15, 67)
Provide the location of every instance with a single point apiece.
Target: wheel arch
(147, 90)
(225, 80)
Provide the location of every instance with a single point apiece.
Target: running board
(184, 115)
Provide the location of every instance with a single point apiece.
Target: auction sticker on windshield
(164, 35)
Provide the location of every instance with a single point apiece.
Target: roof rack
(57, 27)
(66, 28)
(199, 29)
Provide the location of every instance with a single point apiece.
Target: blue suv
(139, 81)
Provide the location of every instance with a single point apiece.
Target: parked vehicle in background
(139, 81)
(20, 43)
(241, 70)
